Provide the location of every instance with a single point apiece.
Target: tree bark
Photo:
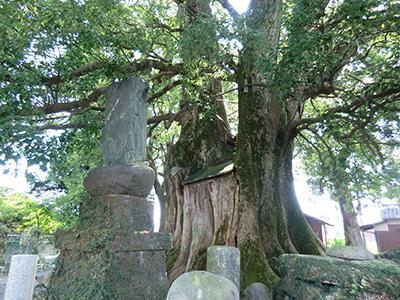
(203, 142)
(209, 217)
(260, 216)
(350, 224)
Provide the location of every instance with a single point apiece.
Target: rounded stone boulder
(201, 285)
(133, 180)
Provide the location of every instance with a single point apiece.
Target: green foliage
(352, 151)
(19, 213)
(336, 242)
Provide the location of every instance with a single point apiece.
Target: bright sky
(16, 181)
(240, 5)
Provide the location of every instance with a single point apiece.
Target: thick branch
(153, 120)
(350, 108)
(69, 106)
(82, 71)
(61, 126)
(164, 90)
(160, 118)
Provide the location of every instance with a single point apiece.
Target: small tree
(19, 213)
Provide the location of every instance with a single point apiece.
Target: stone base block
(324, 277)
(104, 264)
(121, 275)
(117, 211)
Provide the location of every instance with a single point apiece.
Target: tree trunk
(271, 221)
(257, 209)
(350, 224)
(209, 217)
(301, 234)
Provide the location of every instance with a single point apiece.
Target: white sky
(15, 181)
(240, 5)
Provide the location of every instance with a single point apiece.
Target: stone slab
(329, 276)
(224, 261)
(348, 252)
(134, 180)
(125, 130)
(117, 211)
(21, 277)
(257, 291)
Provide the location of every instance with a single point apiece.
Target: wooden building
(319, 228)
(385, 234)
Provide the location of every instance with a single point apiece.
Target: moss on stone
(393, 254)
(338, 278)
(85, 281)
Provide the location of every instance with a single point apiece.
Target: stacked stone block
(114, 254)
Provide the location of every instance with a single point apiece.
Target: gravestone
(114, 254)
(224, 261)
(201, 285)
(21, 277)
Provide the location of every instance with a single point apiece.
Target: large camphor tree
(57, 58)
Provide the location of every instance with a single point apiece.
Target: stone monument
(21, 277)
(224, 261)
(114, 254)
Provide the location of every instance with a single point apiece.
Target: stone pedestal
(21, 277)
(113, 254)
(224, 261)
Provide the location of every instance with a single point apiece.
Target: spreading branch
(350, 108)
(82, 71)
(73, 105)
(164, 90)
(61, 126)
(133, 67)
